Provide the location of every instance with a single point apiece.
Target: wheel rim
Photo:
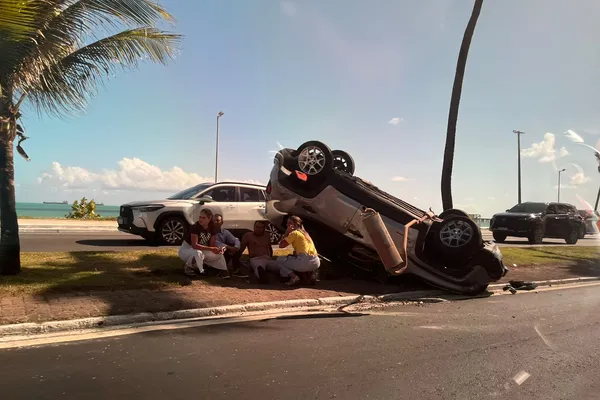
(311, 160)
(274, 234)
(456, 234)
(172, 231)
(339, 162)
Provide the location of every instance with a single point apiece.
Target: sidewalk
(210, 292)
(66, 225)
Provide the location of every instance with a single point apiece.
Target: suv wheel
(582, 231)
(173, 230)
(499, 237)
(537, 236)
(459, 237)
(274, 233)
(315, 158)
(343, 161)
(572, 237)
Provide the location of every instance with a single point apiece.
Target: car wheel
(573, 237)
(537, 236)
(173, 230)
(499, 237)
(315, 159)
(343, 161)
(459, 236)
(582, 232)
(274, 234)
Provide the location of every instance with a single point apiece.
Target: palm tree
(51, 57)
(454, 105)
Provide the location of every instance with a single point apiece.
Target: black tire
(343, 161)
(172, 230)
(572, 237)
(459, 237)
(499, 237)
(582, 232)
(537, 236)
(274, 234)
(315, 159)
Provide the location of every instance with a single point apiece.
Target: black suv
(536, 221)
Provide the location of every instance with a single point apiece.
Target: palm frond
(57, 27)
(66, 85)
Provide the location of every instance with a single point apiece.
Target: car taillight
(301, 176)
(269, 187)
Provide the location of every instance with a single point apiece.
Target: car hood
(515, 215)
(163, 202)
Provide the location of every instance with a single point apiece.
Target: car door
(251, 207)
(555, 220)
(224, 203)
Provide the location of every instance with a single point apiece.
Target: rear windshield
(532, 208)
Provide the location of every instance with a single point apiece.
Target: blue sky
(341, 71)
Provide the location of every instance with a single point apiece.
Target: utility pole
(597, 200)
(219, 115)
(559, 172)
(519, 133)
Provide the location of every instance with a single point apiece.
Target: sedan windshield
(529, 208)
(190, 192)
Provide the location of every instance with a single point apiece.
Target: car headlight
(149, 208)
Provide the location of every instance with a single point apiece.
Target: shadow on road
(113, 283)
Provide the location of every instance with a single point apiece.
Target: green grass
(550, 255)
(43, 273)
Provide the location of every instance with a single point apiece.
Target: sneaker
(223, 275)
(294, 279)
(189, 271)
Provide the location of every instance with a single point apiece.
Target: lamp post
(519, 133)
(219, 115)
(559, 172)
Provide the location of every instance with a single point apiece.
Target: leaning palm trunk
(454, 105)
(44, 61)
(10, 260)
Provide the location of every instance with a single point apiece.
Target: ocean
(41, 210)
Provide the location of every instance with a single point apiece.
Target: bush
(83, 209)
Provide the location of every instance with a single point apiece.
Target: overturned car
(354, 222)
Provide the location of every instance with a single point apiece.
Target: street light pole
(219, 115)
(559, 172)
(519, 133)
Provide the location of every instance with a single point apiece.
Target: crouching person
(198, 247)
(260, 251)
(305, 260)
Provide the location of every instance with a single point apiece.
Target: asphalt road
(117, 241)
(526, 346)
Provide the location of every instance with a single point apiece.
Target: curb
(429, 296)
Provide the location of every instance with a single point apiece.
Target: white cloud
(395, 121)
(469, 198)
(573, 136)
(131, 174)
(491, 198)
(579, 177)
(545, 150)
(288, 8)
(399, 179)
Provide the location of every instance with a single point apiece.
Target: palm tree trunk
(454, 105)
(10, 249)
